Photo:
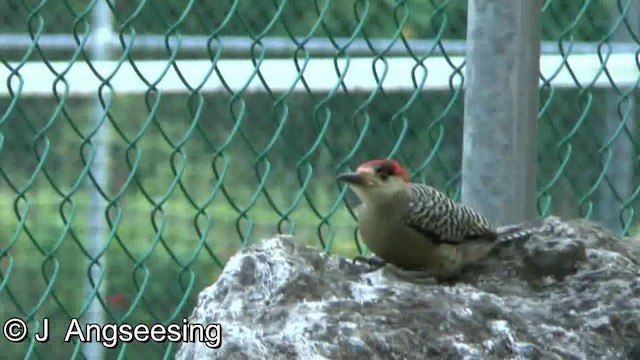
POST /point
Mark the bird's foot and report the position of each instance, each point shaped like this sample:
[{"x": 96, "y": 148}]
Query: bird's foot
[{"x": 374, "y": 262}]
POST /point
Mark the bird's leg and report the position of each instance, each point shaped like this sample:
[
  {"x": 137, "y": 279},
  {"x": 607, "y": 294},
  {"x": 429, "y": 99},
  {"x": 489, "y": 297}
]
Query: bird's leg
[{"x": 374, "y": 262}]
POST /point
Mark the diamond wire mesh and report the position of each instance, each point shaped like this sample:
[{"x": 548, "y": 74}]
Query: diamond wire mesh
[
  {"x": 195, "y": 176},
  {"x": 591, "y": 129}
]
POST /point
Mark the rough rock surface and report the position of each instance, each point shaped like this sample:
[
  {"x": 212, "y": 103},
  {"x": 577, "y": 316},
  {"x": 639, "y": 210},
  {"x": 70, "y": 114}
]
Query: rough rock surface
[{"x": 572, "y": 291}]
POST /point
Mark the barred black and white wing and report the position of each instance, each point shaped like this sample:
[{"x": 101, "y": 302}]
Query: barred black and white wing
[
  {"x": 441, "y": 220},
  {"x": 520, "y": 231}
]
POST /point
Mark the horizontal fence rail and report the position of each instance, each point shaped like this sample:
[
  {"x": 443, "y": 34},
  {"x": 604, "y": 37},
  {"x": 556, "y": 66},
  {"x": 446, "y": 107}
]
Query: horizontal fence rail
[
  {"x": 241, "y": 45},
  {"x": 281, "y": 75}
]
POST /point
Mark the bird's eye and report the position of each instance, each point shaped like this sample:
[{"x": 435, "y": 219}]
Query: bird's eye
[{"x": 383, "y": 173}]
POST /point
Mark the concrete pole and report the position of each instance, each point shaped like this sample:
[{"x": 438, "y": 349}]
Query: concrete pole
[{"x": 501, "y": 108}]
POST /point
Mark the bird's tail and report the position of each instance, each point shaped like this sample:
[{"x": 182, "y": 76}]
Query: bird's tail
[{"x": 519, "y": 231}]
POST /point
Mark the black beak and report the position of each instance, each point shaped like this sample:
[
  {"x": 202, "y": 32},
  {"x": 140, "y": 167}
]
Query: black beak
[{"x": 352, "y": 178}]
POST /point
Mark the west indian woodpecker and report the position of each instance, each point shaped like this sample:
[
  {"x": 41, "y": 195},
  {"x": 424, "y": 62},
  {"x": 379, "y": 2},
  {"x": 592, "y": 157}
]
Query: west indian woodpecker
[{"x": 415, "y": 226}]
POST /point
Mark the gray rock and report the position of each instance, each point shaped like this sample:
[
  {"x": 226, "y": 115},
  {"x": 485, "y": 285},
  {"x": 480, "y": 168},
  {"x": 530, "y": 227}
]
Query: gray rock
[{"x": 572, "y": 291}]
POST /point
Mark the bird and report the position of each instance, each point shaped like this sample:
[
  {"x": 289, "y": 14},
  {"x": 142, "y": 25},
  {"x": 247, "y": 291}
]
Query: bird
[{"x": 414, "y": 226}]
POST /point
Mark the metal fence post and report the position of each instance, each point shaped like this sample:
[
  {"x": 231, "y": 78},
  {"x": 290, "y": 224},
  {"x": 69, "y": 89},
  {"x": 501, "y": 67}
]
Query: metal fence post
[
  {"x": 102, "y": 34},
  {"x": 501, "y": 107}
]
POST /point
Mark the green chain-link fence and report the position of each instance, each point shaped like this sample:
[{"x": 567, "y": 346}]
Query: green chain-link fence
[{"x": 175, "y": 182}]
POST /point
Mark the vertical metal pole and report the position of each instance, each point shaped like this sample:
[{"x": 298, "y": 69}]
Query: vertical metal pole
[
  {"x": 102, "y": 33},
  {"x": 620, "y": 170},
  {"x": 501, "y": 107}
]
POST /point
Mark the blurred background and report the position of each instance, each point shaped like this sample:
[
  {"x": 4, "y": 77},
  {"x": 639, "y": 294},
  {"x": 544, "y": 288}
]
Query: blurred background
[{"x": 160, "y": 187}]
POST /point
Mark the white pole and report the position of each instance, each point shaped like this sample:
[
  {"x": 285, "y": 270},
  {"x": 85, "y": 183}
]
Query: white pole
[{"x": 102, "y": 33}]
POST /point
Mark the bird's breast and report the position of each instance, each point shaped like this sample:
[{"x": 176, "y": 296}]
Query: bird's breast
[{"x": 388, "y": 237}]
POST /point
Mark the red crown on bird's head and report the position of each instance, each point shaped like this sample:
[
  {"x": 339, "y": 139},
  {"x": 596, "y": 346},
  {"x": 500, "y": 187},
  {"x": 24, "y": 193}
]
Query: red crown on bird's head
[{"x": 391, "y": 165}]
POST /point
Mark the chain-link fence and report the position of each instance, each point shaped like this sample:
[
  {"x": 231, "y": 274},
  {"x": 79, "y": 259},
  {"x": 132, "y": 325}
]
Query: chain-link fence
[{"x": 144, "y": 142}]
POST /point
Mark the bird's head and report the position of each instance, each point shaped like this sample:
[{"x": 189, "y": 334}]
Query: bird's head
[{"x": 377, "y": 179}]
